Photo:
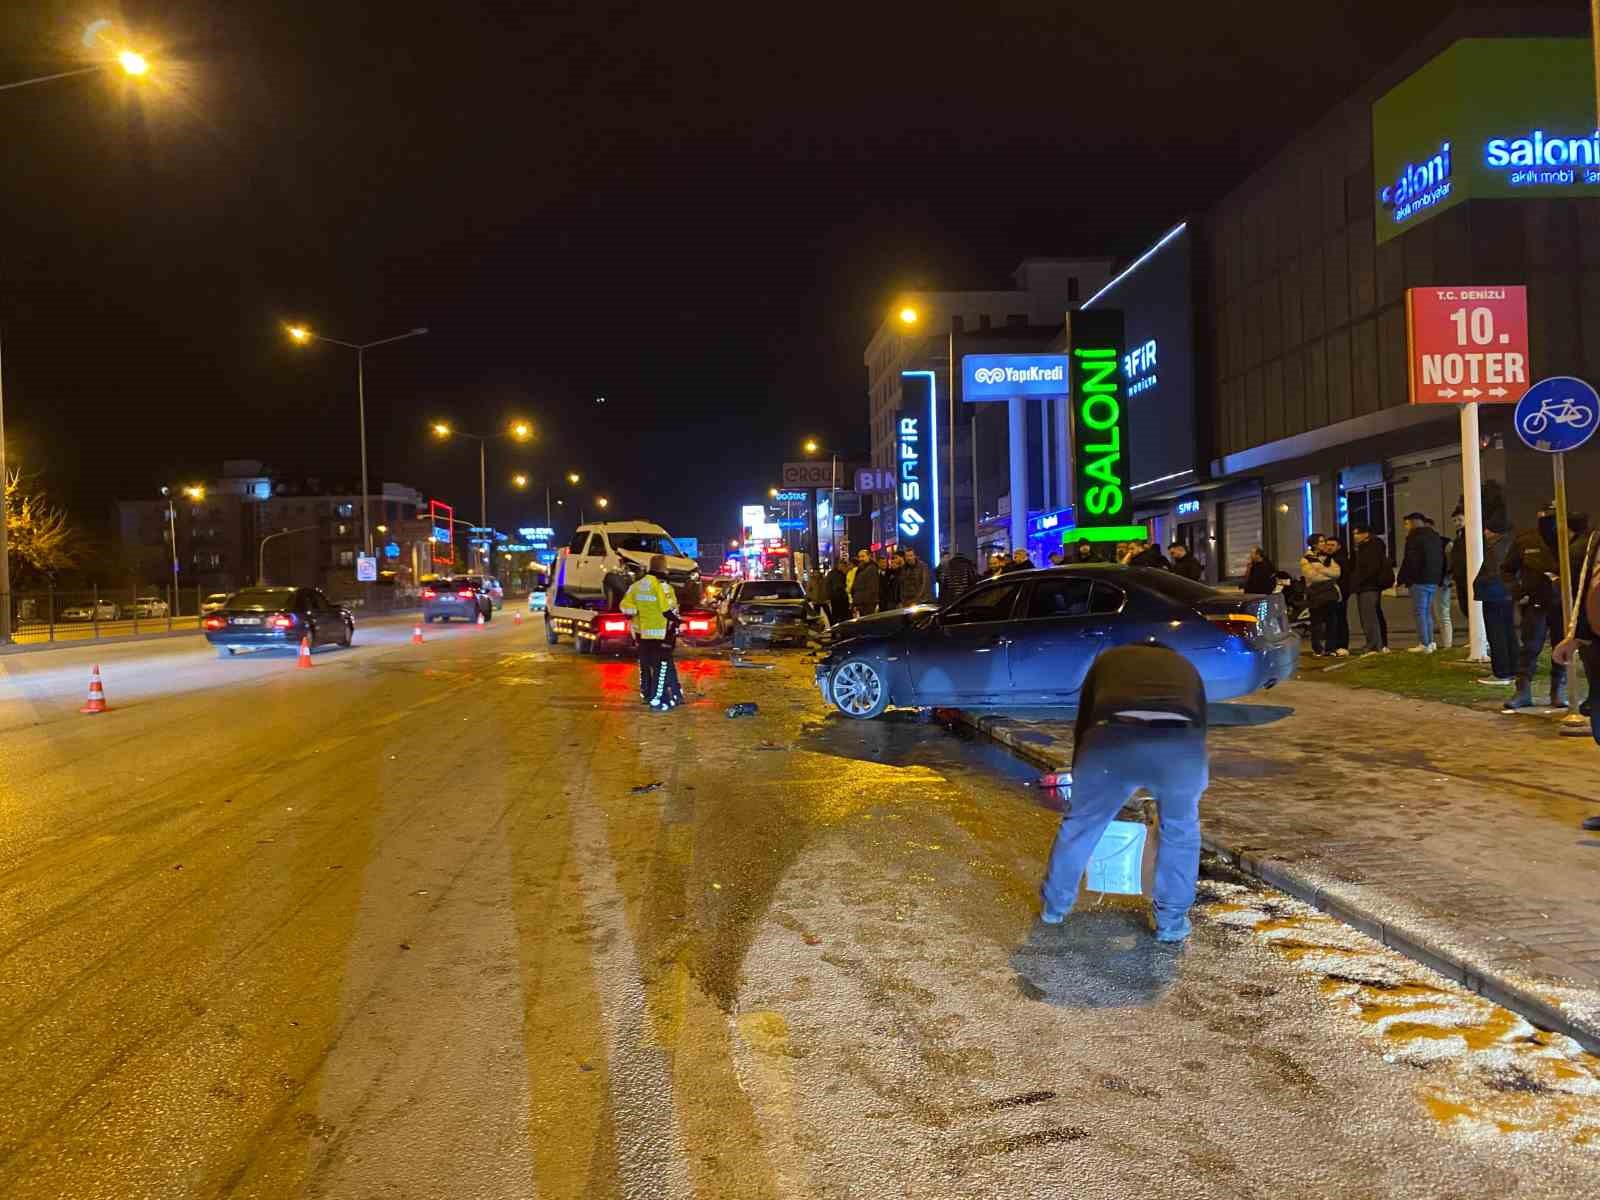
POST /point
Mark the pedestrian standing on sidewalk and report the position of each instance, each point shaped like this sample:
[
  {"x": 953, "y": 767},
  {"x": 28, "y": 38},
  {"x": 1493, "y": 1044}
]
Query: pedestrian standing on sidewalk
[
  {"x": 1444, "y": 622},
  {"x": 864, "y": 586},
  {"x": 1184, "y": 563},
  {"x": 916, "y": 582},
  {"x": 1584, "y": 644},
  {"x": 1499, "y": 613},
  {"x": 1086, "y": 552},
  {"x": 889, "y": 585},
  {"x": 1260, "y": 577},
  {"x": 1334, "y": 549},
  {"x": 1421, "y": 570},
  {"x": 1371, "y": 573},
  {"x": 1533, "y": 569},
  {"x": 997, "y": 565},
  {"x": 1058, "y": 557},
  {"x": 1021, "y": 560},
  {"x": 1141, "y": 724},
  {"x": 957, "y": 577},
  {"x": 1145, "y": 554},
  {"x": 836, "y": 590},
  {"x": 1321, "y": 576},
  {"x": 1578, "y": 523}
]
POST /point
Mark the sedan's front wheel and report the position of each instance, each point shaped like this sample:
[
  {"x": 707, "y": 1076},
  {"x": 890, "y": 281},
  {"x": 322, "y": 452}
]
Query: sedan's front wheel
[{"x": 858, "y": 689}]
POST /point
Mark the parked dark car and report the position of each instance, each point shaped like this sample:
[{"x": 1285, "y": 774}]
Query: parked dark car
[
  {"x": 462, "y": 598},
  {"x": 767, "y": 610},
  {"x": 1028, "y": 639},
  {"x": 267, "y": 617}
]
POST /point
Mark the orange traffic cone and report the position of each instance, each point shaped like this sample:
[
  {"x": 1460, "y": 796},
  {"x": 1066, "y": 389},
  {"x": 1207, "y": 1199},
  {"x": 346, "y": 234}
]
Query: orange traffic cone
[
  {"x": 516, "y": 617},
  {"x": 304, "y": 661},
  {"x": 480, "y": 617},
  {"x": 96, "y": 703},
  {"x": 416, "y": 635}
]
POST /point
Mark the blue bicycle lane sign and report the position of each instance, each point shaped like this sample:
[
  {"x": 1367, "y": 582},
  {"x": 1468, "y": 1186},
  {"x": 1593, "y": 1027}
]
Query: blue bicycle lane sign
[{"x": 1557, "y": 414}]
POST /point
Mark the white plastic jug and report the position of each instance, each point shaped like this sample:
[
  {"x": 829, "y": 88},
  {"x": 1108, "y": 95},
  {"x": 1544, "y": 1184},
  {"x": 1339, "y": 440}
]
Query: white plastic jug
[{"x": 1117, "y": 864}]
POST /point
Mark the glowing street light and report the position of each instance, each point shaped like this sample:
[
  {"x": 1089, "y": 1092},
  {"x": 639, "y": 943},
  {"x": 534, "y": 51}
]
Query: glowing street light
[
  {"x": 194, "y": 491},
  {"x": 772, "y": 492},
  {"x": 574, "y": 478},
  {"x": 521, "y": 430},
  {"x": 811, "y": 446},
  {"x": 133, "y": 62},
  {"x": 302, "y": 335},
  {"x": 908, "y": 315},
  {"x": 519, "y": 480},
  {"x": 603, "y": 502}
]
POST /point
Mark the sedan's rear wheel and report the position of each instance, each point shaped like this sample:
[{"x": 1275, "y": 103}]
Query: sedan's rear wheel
[{"x": 858, "y": 689}]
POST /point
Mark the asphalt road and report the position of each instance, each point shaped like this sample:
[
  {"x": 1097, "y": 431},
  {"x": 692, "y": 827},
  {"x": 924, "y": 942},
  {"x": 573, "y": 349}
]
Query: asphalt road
[{"x": 419, "y": 922}]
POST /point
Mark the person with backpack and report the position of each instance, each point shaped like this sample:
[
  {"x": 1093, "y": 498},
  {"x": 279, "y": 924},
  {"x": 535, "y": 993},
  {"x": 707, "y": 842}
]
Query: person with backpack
[{"x": 1371, "y": 574}]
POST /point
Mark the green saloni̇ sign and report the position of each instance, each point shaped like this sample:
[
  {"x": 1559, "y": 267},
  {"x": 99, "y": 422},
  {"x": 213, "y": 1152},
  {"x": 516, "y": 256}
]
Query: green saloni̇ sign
[
  {"x": 1488, "y": 119},
  {"x": 1099, "y": 428}
]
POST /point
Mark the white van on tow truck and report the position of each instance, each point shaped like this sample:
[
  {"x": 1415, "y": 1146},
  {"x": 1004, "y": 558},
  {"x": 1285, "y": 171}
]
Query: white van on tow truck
[{"x": 595, "y": 570}]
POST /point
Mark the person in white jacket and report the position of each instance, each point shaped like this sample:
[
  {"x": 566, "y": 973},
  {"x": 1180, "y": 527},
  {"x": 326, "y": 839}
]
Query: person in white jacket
[{"x": 1321, "y": 575}]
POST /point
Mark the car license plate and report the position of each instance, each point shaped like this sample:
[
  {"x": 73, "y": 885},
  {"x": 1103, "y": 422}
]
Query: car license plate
[{"x": 246, "y": 620}]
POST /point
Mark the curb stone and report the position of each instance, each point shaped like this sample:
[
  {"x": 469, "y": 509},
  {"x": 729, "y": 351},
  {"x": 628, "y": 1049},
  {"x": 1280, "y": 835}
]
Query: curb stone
[{"x": 1492, "y": 985}]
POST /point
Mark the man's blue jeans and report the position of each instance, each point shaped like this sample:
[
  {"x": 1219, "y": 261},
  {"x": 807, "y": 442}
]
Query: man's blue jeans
[
  {"x": 1422, "y": 605},
  {"x": 1111, "y": 763}
]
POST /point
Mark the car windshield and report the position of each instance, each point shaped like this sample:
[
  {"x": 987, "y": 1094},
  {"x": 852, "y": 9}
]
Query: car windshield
[
  {"x": 263, "y": 598},
  {"x": 645, "y": 543},
  {"x": 776, "y": 589},
  {"x": 1173, "y": 587}
]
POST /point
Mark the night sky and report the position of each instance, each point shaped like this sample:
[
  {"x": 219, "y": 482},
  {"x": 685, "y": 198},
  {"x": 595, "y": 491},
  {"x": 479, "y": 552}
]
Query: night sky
[{"x": 700, "y": 214}]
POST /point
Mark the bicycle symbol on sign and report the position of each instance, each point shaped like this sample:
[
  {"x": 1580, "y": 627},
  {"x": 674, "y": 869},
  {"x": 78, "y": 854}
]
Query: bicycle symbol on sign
[{"x": 1563, "y": 412}]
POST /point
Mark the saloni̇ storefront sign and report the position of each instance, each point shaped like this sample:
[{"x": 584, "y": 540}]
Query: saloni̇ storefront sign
[
  {"x": 1099, "y": 427},
  {"x": 1489, "y": 118},
  {"x": 916, "y": 441},
  {"x": 1467, "y": 344}
]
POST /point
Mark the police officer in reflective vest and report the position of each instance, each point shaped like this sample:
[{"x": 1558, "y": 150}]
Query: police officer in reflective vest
[{"x": 653, "y": 607}]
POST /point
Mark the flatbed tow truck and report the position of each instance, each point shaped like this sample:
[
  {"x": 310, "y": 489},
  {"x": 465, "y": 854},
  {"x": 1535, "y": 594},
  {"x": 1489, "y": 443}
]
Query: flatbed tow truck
[{"x": 592, "y": 574}]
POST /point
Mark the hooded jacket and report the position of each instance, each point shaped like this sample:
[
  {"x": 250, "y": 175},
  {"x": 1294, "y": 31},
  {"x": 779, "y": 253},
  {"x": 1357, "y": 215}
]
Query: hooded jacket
[{"x": 1532, "y": 568}]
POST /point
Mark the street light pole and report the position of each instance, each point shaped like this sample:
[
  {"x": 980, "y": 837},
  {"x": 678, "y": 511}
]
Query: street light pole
[
  {"x": 172, "y": 532},
  {"x": 261, "y": 551},
  {"x": 483, "y": 509},
  {"x": 133, "y": 64}
]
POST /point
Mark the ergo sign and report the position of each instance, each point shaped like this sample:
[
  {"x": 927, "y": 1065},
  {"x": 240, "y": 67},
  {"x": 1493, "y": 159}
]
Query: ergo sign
[{"x": 1467, "y": 344}]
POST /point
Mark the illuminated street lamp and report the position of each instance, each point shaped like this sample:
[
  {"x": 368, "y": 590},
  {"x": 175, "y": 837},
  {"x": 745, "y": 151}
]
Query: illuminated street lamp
[
  {"x": 603, "y": 502},
  {"x": 574, "y": 478},
  {"x": 194, "y": 492},
  {"x": 302, "y": 335},
  {"x": 519, "y": 480},
  {"x": 517, "y": 431},
  {"x": 908, "y": 315},
  {"x": 135, "y": 65}
]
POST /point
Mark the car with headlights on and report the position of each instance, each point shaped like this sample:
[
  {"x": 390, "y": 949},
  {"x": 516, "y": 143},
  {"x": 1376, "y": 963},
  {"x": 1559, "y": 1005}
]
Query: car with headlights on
[
  {"x": 1028, "y": 639},
  {"x": 92, "y": 610},
  {"x": 149, "y": 606},
  {"x": 213, "y": 602},
  {"x": 265, "y": 618}
]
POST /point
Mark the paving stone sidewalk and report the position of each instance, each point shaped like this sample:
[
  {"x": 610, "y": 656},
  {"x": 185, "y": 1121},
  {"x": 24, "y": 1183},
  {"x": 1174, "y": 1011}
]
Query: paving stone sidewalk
[{"x": 1452, "y": 835}]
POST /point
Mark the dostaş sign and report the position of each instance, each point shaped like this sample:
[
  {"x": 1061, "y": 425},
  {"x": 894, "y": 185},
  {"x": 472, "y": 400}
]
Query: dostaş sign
[
  {"x": 1557, "y": 414},
  {"x": 1467, "y": 344},
  {"x": 1003, "y": 376},
  {"x": 916, "y": 439},
  {"x": 1489, "y": 118},
  {"x": 1099, "y": 428}
]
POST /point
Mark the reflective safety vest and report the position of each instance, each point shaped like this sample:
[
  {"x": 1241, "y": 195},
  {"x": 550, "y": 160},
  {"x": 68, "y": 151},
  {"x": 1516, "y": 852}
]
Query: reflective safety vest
[{"x": 648, "y": 602}]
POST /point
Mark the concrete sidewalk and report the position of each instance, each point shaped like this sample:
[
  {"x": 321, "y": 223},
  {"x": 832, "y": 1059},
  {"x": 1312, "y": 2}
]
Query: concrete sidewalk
[{"x": 1453, "y": 836}]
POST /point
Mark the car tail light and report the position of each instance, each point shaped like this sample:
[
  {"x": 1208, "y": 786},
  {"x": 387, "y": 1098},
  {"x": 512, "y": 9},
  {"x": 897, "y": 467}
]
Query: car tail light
[
  {"x": 699, "y": 625},
  {"x": 1238, "y": 624},
  {"x": 429, "y": 594},
  {"x": 283, "y": 621},
  {"x": 465, "y": 593},
  {"x": 216, "y": 622},
  {"x": 613, "y": 624}
]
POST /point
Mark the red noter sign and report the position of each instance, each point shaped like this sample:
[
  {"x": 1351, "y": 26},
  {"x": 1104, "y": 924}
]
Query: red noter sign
[{"x": 1468, "y": 344}]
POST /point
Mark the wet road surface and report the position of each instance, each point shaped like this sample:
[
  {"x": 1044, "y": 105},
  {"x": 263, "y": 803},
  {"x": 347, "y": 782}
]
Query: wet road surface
[{"x": 416, "y": 923}]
